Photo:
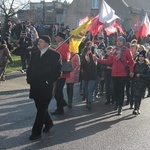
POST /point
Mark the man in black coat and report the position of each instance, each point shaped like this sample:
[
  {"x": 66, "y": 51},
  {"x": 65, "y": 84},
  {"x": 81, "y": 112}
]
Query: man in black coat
[
  {"x": 24, "y": 43},
  {"x": 44, "y": 69}
]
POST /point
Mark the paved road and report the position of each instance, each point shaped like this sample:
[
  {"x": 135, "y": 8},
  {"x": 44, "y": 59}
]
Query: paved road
[{"x": 77, "y": 129}]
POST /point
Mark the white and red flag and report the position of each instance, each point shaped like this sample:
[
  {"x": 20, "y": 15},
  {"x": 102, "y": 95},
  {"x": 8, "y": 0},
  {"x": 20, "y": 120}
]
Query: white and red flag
[
  {"x": 110, "y": 30},
  {"x": 114, "y": 28},
  {"x": 82, "y": 21},
  {"x": 106, "y": 13},
  {"x": 144, "y": 29},
  {"x": 95, "y": 26}
]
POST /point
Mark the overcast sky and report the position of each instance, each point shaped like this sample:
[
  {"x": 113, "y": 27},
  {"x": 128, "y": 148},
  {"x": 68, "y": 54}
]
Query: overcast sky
[
  {"x": 68, "y": 1},
  {"x": 51, "y": 0}
]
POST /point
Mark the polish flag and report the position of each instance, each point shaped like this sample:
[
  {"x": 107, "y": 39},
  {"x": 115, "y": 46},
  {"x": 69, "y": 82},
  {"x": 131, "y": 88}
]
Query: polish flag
[
  {"x": 144, "y": 29},
  {"x": 106, "y": 13},
  {"x": 95, "y": 25},
  {"x": 82, "y": 21},
  {"x": 116, "y": 25},
  {"x": 110, "y": 30},
  {"x": 113, "y": 28}
]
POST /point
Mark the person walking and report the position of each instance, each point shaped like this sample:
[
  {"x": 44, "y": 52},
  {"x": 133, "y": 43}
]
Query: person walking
[
  {"x": 108, "y": 79},
  {"x": 24, "y": 43},
  {"x": 120, "y": 58},
  {"x": 4, "y": 57},
  {"x": 64, "y": 51},
  {"x": 140, "y": 78},
  {"x": 89, "y": 76},
  {"x": 44, "y": 69},
  {"x": 74, "y": 77}
]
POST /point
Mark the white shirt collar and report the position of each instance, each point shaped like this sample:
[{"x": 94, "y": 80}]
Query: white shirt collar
[{"x": 44, "y": 50}]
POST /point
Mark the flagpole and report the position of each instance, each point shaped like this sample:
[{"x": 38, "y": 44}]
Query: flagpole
[{"x": 129, "y": 34}]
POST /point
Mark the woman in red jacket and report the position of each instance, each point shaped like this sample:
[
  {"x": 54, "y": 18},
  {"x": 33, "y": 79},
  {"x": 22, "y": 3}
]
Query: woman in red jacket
[{"x": 120, "y": 58}]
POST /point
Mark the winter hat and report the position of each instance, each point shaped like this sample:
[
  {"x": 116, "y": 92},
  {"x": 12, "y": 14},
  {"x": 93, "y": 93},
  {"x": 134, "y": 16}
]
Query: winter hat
[
  {"x": 142, "y": 54},
  {"x": 45, "y": 38},
  {"x": 60, "y": 34},
  {"x": 121, "y": 39}
]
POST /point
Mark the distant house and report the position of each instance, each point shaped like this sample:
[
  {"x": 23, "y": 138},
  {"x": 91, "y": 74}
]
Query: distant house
[
  {"x": 130, "y": 11},
  {"x": 45, "y": 12}
]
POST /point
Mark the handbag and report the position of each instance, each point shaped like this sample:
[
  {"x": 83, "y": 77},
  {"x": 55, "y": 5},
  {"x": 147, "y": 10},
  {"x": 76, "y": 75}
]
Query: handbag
[
  {"x": 67, "y": 66},
  {"x": 126, "y": 68}
]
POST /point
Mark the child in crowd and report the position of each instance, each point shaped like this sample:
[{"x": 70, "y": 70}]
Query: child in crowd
[{"x": 141, "y": 75}]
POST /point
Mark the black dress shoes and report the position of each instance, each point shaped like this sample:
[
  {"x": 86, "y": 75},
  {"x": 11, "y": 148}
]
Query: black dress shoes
[
  {"x": 47, "y": 128},
  {"x": 34, "y": 136},
  {"x": 57, "y": 112}
]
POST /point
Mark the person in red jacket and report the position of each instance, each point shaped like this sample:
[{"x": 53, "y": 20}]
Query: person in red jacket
[
  {"x": 64, "y": 51},
  {"x": 120, "y": 58}
]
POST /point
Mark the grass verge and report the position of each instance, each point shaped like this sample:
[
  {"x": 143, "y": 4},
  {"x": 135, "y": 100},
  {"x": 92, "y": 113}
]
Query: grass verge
[{"x": 16, "y": 66}]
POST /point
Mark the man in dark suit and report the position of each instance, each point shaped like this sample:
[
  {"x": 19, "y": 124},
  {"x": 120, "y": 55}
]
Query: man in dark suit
[
  {"x": 44, "y": 69},
  {"x": 24, "y": 43}
]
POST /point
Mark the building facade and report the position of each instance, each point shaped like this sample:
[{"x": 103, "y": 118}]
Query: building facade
[
  {"x": 130, "y": 12},
  {"x": 45, "y": 12}
]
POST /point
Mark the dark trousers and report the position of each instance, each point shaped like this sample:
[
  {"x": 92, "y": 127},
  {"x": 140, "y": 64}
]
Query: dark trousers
[
  {"x": 42, "y": 116},
  {"x": 25, "y": 59},
  {"x": 70, "y": 92},
  {"x": 119, "y": 85},
  {"x": 59, "y": 96},
  {"x": 148, "y": 86},
  {"x": 137, "y": 100},
  {"x": 128, "y": 89},
  {"x": 109, "y": 89},
  {"x": 102, "y": 82},
  {"x": 2, "y": 71}
]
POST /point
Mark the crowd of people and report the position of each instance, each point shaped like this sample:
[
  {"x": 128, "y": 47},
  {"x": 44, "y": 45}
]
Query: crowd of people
[{"x": 99, "y": 67}]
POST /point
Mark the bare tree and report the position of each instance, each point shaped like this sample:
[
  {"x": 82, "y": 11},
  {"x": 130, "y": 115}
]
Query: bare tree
[{"x": 10, "y": 8}]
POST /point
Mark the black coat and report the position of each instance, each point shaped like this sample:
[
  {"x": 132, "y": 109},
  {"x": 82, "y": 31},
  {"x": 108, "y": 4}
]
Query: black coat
[
  {"x": 24, "y": 45},
  {"x": 42, "y": 73},
  {"x": 89, "y": 70},
  {"x": 139, "y": 83}
]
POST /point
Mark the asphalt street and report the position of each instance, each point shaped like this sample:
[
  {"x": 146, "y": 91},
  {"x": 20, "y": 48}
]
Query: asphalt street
[{"x": 77, "y": 129}]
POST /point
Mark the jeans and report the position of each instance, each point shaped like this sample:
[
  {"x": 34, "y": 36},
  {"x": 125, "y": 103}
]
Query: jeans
[
  {"x": 89, "y": 89},
  {"x": 96, "y": 87}
]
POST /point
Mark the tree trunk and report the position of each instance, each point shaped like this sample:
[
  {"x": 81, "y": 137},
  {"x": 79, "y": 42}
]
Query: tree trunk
[{"x": 5, "y": 26}]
